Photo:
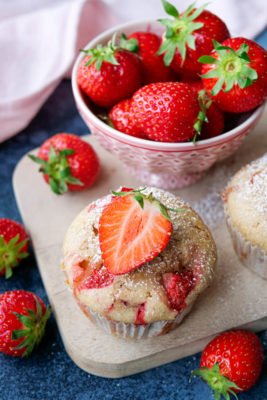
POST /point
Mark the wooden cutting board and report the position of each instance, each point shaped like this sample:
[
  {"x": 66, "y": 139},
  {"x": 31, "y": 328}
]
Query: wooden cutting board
[{"x": 236, "y": 298}]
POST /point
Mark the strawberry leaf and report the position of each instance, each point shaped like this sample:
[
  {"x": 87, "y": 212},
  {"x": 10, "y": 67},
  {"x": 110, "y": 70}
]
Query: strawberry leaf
[
  {"x": 11, "y": 254},
  {"x": 207, "y": 60},
  {"x": 129, "y": 44},
  {"x": 219, "y": 384},
  {"x": 140, "y": 199},
  {"x": 230, "y": 68},
  {"x": 58, "y": 170},
  {"x": 179, "y": 33},
  {"x": 33, "y": 328},
  {"x": 170, "y": 9}
]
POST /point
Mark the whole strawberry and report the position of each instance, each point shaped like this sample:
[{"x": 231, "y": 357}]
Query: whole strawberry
[
  {"x": 154, "y": 69},
  {"x": 235, "y": 75},
  {"x": 109, "y": 74},
  {"x": 14, "y": 243},
  {"x": 231, "y": 363},
  {"x": 166, "y": 111},
  {"x": 188, "y": 36},
  {"x": 213, "y": 121},
  {"x": 123, "y": 119},
  {"x": 23, "y": 317},
  {"x": 68, "y": 163}
]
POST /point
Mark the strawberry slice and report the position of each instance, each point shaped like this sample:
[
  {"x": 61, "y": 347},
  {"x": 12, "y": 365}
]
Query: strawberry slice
[
  {"x": 140, "y": 315},
  {"x": 85, "y": 277},
  {"x": 178, "y": 286},
  {"x": 97, "y": 280},
  {"x": 133, "y": 229}
]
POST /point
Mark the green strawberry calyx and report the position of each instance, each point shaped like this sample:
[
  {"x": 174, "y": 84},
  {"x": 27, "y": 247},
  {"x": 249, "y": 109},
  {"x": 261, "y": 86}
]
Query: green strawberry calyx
[
  {"x": 179, "y": 33},
  {"x": 57, "y": 169},
  {"x": 221, "y": 386},
  {"x": 204, "y": 103},
  {"x": 231, "y": 67},
  {"x": 107, "y": 52},
  {"x": 11, "y": 254},
  {"x": 139, "y": 196},
  {"x": 33, "y": 328}
]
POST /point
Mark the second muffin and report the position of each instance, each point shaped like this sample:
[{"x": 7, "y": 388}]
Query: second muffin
[{"x": 245, "y": 202}]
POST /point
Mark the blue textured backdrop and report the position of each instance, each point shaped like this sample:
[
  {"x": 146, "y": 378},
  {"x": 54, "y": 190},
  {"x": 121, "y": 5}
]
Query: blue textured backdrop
[{"x": 49, "y": 374}]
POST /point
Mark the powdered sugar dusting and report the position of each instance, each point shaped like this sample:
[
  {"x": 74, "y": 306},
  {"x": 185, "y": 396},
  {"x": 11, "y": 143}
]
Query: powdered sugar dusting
[
  {"x": 190, "y": 248},
  {"x": 255, "y": 188},
  {"x": 210, "y": 207}
]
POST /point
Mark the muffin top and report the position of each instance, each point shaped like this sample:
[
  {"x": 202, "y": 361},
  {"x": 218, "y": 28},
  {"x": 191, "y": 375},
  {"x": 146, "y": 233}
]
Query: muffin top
[
  {"x": 159, "y": 289},
  {"x": 245, "y": 200}
]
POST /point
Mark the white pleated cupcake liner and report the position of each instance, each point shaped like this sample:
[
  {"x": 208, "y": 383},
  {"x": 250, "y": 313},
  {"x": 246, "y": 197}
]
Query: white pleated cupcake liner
[
  {"x": 133, "y": 331},
  {"x": 252, "y": 257}
]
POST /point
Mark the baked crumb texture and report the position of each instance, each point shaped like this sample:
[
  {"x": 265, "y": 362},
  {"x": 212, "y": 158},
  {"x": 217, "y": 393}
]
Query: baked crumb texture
[
  {"x": 139, "y": 297},
  {"x": 245, "y": 200},
  {"x": 245, "y": 204}
]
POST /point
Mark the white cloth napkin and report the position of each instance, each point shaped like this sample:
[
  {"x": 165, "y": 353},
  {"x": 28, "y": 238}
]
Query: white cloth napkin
[{"x": 40, "y": 40}]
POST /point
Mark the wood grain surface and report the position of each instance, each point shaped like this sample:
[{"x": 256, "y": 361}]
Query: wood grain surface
[{"x": 236, "y": 298}]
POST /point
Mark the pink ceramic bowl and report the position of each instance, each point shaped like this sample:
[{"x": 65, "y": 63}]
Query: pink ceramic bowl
[{"x": 165, "y": 165}]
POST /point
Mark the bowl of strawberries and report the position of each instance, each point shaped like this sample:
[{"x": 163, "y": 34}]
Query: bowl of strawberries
[{"x": 171, "y": 97}]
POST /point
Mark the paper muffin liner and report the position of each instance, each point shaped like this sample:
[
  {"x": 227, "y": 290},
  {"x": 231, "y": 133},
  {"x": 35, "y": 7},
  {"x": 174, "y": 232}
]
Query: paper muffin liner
[
  {"x": 252, "y": 257},
  {"x": 133, "y": 331}
]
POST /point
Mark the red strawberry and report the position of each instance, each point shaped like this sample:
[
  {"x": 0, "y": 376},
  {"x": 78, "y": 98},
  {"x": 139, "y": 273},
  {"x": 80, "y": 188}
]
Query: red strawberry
[
  {"x": 213, "y": 124},
  {"x": 231, "y": 362},
  {"x": 14, "y": 243},
  {"x": 196, "y": 84},
  {"x": 235, "y": 75},
  {"x": 154, "y": 69},
  {"x": 109, "y": 74},
  {"x": 68, "y": 163},
  {"x": 122, "y": 118},
  {"x": 96, "y": 279},
  {"x": 133, "y": 229},
  {"x": 140, "y": 315},
  {"x": 178, "y": 285},
  {"x": 166, "y": 111},
  {"x": 188, "y": 36},
  {"x": 23, "y": 317}
]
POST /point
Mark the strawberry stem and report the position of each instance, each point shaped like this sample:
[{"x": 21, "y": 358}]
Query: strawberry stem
[
  {"x": 11, "y": 254},
  {"x": 230, "y": 68},
  {"x": 204, "y": 104},
  {"x": 101, "y": 53},
  {"x": 33, "y": 328},
  {"x": 57, "y": 169},
  {"x": 179, "y": 30},
  {"x": 128, "y": 44},
  {"x": 221, "y": 386},
  {"x": 140, "y": 197}
]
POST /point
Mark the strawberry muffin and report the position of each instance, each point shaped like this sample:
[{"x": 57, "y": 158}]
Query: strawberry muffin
[
  {"x": 137, "y": 260},
  {"x": 245, "y": 203}
]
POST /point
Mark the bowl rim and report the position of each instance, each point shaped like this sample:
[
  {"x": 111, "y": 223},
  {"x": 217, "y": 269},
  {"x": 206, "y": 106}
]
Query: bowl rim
[{"x": 145, "y": 143}]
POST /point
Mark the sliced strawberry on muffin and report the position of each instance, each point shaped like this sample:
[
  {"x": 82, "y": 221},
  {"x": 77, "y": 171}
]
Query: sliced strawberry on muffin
[{"x": 133, "y": 229}]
